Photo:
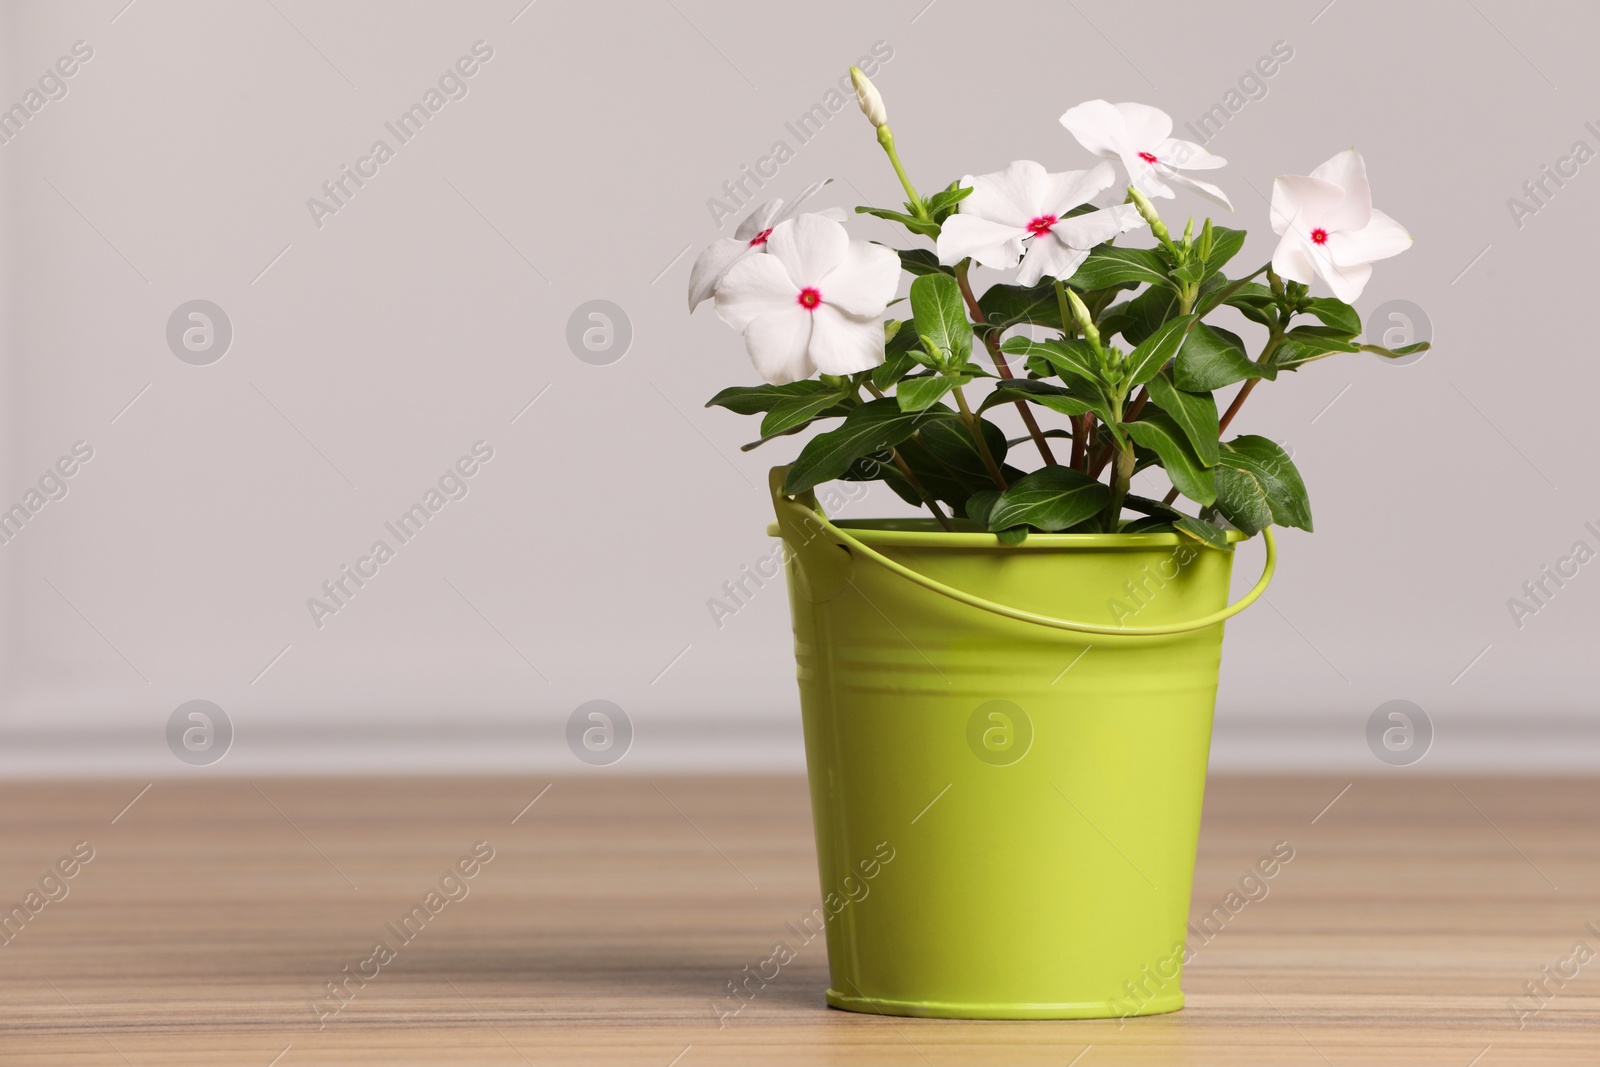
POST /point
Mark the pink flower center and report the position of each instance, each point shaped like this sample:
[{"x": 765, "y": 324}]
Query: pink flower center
[
  {"x": 761, "y": 238},
  {"x": 1148, "y": 158},
  {"x": 809, "y": 298},
  {"x": 1042, "y": 225},
  {"x": 1319, "y": 236}
]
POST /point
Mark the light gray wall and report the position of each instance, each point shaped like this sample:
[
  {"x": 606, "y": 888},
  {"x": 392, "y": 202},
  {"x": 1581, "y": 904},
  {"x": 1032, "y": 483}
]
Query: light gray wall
[{"x": 373, "y": 347}]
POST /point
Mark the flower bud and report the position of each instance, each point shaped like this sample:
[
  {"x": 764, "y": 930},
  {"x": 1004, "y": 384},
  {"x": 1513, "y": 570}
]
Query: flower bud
[
  {"x": 1085, "y": 321},
  {"x": 1147, "y": 211},
  {"x": 867, "y": 96}
]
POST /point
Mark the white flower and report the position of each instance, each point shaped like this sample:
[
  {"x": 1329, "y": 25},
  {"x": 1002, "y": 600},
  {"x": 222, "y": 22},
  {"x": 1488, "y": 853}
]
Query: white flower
[
  {"x": 750, "y": 237},
  {"x": 1138, "y": 135},
  {"x": 1021, "y": 213},
  {"x": 814, "y": 302},
  {"x": 1330, "y": 228}
]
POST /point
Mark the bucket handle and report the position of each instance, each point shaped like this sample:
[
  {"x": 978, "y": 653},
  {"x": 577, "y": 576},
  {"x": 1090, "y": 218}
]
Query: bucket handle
[{"x": 935, "y": 586}]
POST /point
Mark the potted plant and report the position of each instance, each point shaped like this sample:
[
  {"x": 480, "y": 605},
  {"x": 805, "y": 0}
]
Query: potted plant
[{"x": 1012, "y": 697}]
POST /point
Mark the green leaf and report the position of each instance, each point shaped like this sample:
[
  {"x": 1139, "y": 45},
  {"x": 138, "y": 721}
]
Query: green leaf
[
  {"x": 1190, "y": 272},
  {"x": 941, "y": 316},
  {"x": 941, "y": 204},
  {"x": 1044, "y": 394},
  {"x": 914, "y": 394},
  {"x": 920, "y": 261},
  {"x": 910, "y": 222},
  {"x": 1207, "y": 533},
  {"x": 1014, "y": 536},
  {"x": 1140, "y": 317},
  {"x": 1157, "y": 431},
  {"x": 1303, "y": 344},
  {"x": 1196, "y": 413},
  {"x": 1050, "y": 499},
  {"x": 1335, "y": 314},
  {"x": 980, "y": 504},
  {"x": 1212, "y": 358},
  {"x": 950, "y": 443},
  {"x": 895, "y": 365},
  {"x": 1225, "y": 244},
  {"x": 1147, "y": 524},
  {"x": 1005, "y": 306},
  {"x": 754, "y": 399},
  {"x": 1071, "y": 358},
  {"x": 1396, "y": 353},
  {"x": 1145, "y": 506},
  {"x": 1146, "y": 361},
  {"x": 1256, "y": 303},
  {"x": 798, "y": 411},
  {"x": 1110, "y": 265},
  {"x": 1258, "y": 485},
  {"x": 872, "y": 427}
]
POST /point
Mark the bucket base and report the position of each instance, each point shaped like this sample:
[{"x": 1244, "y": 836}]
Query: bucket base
[{"x": 1158, "y": 1005}]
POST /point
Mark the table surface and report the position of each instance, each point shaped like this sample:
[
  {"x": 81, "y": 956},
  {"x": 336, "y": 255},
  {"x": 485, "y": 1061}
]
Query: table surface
[{"x": 615, "y": 909}]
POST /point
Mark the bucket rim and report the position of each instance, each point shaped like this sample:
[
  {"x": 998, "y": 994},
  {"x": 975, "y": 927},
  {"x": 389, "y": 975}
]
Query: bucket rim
[{"x": 926, "y": 533}]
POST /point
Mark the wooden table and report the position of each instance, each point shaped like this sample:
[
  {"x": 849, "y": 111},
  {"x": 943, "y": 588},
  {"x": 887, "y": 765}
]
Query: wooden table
[{"x": 615, "y": 910}]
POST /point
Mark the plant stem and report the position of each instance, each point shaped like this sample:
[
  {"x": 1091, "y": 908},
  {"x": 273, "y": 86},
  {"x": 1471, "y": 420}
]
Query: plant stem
[
  {"x": 1139, "y": 401},
  {"x": 1244, "y": 392},
  {"x": 916, "y": 483},
  {"x": 976, "y": 430},
  {"x": 1121, "y": 476},
  {"x": 886, "y": 139},
  {"x": 992, "y": 343}
]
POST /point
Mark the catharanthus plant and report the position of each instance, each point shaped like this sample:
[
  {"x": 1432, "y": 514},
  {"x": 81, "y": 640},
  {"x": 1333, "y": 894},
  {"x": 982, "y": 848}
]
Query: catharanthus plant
[{"x": 1109, "y": 356}]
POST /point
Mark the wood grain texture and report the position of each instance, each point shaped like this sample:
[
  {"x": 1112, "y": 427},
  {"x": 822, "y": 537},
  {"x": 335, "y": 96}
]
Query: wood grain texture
[{"x": 616, "y": 909}]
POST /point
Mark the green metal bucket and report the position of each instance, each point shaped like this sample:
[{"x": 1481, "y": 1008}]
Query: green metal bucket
[{"x": 1006, "y": 802}]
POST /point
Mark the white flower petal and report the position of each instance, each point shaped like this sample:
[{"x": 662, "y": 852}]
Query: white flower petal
[
  {"x": 1147, "y": 126},
  {"x": 1014, "y": 196},
  {"x": 845, "y": 344},
  {"x": 1149, "y": 180},
  {"x": 793, "y": 207},
  {"x": 763, "y": 217},
  {"x": 864, "y": 281},
  {"x": 712, "y": 264},
  {"x": 809, "y": 246},
  {"x": 1091, "y": 228},
  {"x": 755, "y": 286},
  {"x": 993, "y": 244},
  {"x": 1348, "y": 171},
  {"x": 778, "y": 344},
  {"x": 1050, "y": 257},
  {"x": 1292, "y": 260},
  {"x": 1100, "y": 127},
  {"x": 1073, "y": 188},
  {"x": 1346, "y": 282},
  {"x": 1302, "y": 202},
  {"x": 1379, "y": 239},
  {"x": 1205, "y": 189},
  {"x": 1186, "y": 155}
]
